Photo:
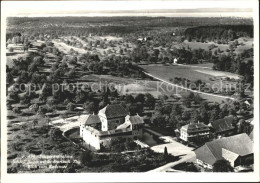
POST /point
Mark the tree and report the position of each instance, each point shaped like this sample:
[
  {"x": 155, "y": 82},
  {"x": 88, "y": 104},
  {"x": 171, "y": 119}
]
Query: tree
[
  {"x": 48, "y": 120},
  {"x": 165, "y": 153},
  {"x": 222, "y": 166},
  {"x": 186, "y": 115},
  {"x": 86, "y": 157},
  {"x": 149, "y": 101},
  {"x": 90, "y": 107},
  {"x": 72, "y": 73},
  {"x": 11, "y": 49},
  {"x": 194, "y": 116},
  {"x": 13, "y": 96},
  {"x": 35, "y": 122},
  {"x": 129, "y": 99},
  {"x": 64, "y": 117},
  {"x": 140, "y": 98},
  {"x": 187, "y": 103},
  {"x": 42, "y": 110},
  {"x": 55, "y": 134},
  {"x": 70, "y": 106}
]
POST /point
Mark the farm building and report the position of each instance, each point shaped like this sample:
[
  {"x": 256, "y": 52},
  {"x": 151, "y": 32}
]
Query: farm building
[
  {"x": 111, "y": 122},
  {"x": 237, "y": 149},
  {"x": 223, "y": 127},
  {"x": 194, "y": 130}
]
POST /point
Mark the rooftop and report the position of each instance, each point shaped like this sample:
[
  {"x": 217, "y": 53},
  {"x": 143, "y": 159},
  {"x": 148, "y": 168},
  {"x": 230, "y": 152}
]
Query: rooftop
[
  {"x": 224, "y": 124},
  {"x": 136, "y": 119},
  {"x": 113, "y": 111},
  {"x": 239, "y": 144},
  {"x": 195, "y": 127},
  {"x": 92, "y": 119}
]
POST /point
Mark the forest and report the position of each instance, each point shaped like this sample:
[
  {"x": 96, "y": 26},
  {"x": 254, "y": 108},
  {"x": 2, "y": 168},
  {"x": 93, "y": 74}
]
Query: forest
[
  {"x": 218, "y": 33},
  {"x": 118, "y": 26}
]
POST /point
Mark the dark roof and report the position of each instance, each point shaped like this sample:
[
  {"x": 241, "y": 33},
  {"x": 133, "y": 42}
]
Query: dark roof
[
  {"x": 92, "y": 119},
  {"x": 114, "y": 111},
  {"x": 196, "y": 127},
  {"x": 239, "y": 144},
  {"x": 136, "y": 119},
  {"x": 222, "y": 125},
  {"x": 203, "y": 153}
]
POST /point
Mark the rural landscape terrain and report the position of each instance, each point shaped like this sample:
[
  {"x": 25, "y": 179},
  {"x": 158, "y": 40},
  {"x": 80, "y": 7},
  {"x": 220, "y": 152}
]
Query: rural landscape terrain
[{"x": 183, "y": 85}]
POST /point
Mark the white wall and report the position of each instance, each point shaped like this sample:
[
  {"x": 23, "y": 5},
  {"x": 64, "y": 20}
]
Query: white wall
[{"x": 90, "y": 139}]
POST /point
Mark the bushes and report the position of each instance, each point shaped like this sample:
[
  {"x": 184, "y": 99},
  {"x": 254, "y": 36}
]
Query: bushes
[
  {"x": 86, "y": 157},
  {"x": 70, "y": 106},
  {"x": 11, "y": 49}
]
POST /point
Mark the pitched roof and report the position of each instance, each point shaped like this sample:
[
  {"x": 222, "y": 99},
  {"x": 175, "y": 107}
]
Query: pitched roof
[
  {"x": 228, "y": 155},
  {"x": 114, "y": 111},
  {"x": 195, "y": 127},
  {"x": 239, "y": 144},
  {"x": 222, "y": 125},
  {"x": 92, "y": 119},
  {"x": 136, "y": 119},
  {"x": 203, "y": 153}
]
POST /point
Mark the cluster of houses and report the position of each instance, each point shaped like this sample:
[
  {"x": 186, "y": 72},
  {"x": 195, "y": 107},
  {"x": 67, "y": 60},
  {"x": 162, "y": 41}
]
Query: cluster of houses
[
  {"x": 237, "y": 149},
  {"x": 113, "y": 122},
  {"x": 220, "y": 128}
]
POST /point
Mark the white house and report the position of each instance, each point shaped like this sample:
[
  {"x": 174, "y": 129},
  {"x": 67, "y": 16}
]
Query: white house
[
  {"x": 191, "y": 131},
  {"x": 175, "y": 60}
]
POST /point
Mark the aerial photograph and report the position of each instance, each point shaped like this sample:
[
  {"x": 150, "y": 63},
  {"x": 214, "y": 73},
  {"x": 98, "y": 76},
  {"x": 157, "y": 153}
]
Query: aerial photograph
[{"x": 143, "y": 89}]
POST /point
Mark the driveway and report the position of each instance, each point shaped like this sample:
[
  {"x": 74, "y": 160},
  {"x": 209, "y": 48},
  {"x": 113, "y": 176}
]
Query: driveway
[
  {"x": 176, "y": 149},
  {"x": 69, "y": 123}
]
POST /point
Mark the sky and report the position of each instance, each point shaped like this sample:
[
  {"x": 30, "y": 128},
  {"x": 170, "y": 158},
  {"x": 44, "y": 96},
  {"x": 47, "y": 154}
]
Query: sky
[{"x": 240, "y": 8}]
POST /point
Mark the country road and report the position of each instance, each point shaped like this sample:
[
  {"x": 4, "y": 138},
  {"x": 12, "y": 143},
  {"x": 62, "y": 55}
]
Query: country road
[{"x": 188, "y": 89}]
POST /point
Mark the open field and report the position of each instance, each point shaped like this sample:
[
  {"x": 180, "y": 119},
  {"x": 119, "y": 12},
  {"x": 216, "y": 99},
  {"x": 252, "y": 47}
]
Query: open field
[
  {"x": 66, "y": 48},
  {"x": 189, "y": 72},
  {"x": 219, "y": 73},
  {"x": 165, "y": 73}
]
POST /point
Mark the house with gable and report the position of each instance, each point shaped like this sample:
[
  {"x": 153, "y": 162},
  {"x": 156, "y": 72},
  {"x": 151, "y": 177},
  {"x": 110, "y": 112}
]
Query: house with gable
[
  {"x": 223, "y": 127},
  {"x": 237, "y": 149},
  {"x": 192, "y": 131}
]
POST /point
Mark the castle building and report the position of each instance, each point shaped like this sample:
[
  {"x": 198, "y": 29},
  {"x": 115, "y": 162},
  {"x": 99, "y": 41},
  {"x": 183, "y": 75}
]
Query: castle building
[{"x": 111, "y": 122}]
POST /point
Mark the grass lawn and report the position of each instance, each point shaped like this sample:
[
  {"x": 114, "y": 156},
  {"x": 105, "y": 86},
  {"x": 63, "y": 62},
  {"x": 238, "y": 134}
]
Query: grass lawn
[
  {"x": 206, "y": 75},
  {"x": 191, "y": 73}
]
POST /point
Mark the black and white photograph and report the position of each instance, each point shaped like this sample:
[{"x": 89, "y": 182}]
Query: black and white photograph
[{"x": 137, "y": 87}]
